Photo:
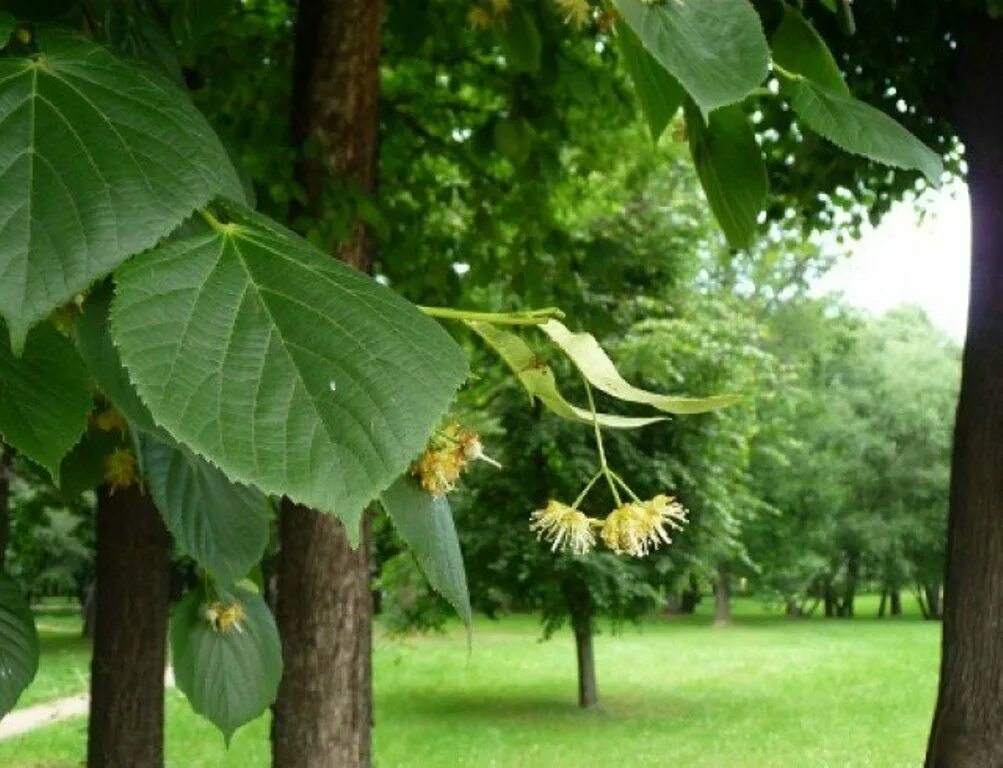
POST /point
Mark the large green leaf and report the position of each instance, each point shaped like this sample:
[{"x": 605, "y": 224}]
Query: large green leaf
[
  {"x": 594, "y": 363},
  {"x": 18, "y": 644},
  {"x": 715, "y": 48},
  {"x": 860, "y": 128},
  {"x": 520, "y": 40},
  {"x": 799, "y": 48},
  {"x": 731, "y": 170},
  {"x": 659, "y": 93},
  {"x": 99, "y": 159},
  {"x": 230, "y": 677},
  {"x": 538, "y": 380},
  {"x": 287, "y": 369},
  {"x": 45, "y": 397},
  {"x": 7, "y": 25},
  {"x": 425, "y": 522},
  {"x": 221, "y": 525},
  {"x": 105, "y": 365}
]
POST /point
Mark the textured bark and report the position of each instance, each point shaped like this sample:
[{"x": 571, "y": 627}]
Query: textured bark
[
  {"x": 896, "y": 602},
  {"x": 967, "y": 729},
  {"x": 324, "y": 710},
  {"x": 126, "y": 725},
  {"x": 722, "y": 596},
  {"x": 6, "y": 460},
  {"x": 323, "y": 715}
]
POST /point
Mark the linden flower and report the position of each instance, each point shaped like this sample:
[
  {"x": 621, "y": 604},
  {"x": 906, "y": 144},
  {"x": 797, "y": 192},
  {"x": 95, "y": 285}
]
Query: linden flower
[
  {"x": 576, "y": 12},
  {"x": 110, "y": 420},
  {"x": 637, "y": 528},
  {"x": 473, "y": 450},
  {"x": 501, "y": 7},
  {"x": 225, "y": 618},
  {"x": 438, "y": 469},
  {"x": 478, "y": 18},
  {"x": 120, "y": 468},
  {"x": 563, "y": 526}
]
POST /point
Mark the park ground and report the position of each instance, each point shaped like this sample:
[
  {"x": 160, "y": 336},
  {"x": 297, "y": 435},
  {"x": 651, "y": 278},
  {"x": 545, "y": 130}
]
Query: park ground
[{"x": 766, "y": 691}]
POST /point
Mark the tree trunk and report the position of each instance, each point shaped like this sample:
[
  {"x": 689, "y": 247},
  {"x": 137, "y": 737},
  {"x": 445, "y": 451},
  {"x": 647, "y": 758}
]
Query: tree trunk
[
  {"x": 690, "y": 597},
  {"x": 722, "y": 596},
  {"x": 581, "y": 611},
  {"x": 831, "y": 604},
  {"x": 933, "y": 605},
  {"x": 881, "y": 605},
  {"x": 323, "y": 715},
  {"x": 6, "y": 475},
  {"x": 88, "y": 609},
  {"x": 126, "y": 725},
  {"x": 967, "y": 729},
  {"x": 850, "y": 593},
  {"x": 896, "y": 602}
]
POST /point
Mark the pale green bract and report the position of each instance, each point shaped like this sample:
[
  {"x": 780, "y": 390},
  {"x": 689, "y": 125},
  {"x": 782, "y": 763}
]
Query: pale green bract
[
  {"x": 595, "y": 365},
  {"x": 799, "y": 48},
  {"x": 230, "y": 677},
  {"x": 18, "y": 644},
  {"x": 45, "y": 397},
  {"x": 284, "y": 367},
  {"x": 538, "y": 380},
  {"x": 99, "y": 159},
  {"x": 731, "y": 170},
  {"x": 716, "y": 49},
  {"x": 221, "y": 525},
  {"x": 425, "y": 522}
]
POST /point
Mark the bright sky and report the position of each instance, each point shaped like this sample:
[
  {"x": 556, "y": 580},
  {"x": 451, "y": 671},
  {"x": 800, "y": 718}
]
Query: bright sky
[{"x": 910, "y": 259}]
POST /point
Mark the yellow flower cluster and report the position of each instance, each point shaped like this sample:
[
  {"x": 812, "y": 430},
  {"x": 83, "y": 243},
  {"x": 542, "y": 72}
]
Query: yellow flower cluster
[
  {"x": 635, "y": 528},
  {"x": 449, "y": 452},
  {"x": 110, "y": 420},
  {"x": 481, "y": 17},
  {"x": 225, "y": 618},
  {"x": 120, "y": 468},
  {"x": 576, "y": 12}
]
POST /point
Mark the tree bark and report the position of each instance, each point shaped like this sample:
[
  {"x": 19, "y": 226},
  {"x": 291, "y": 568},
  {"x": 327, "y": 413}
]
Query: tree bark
[
  {"x": 722, "y": 596},
  {"x": 967, "y": 729},
  {"x": 581, "y": 611},
  {"x": 896, "y": 602},
  {"x": 831, "y": 604},
  {"x": 850, "y": 593},
  {"x": 126, "y": 724},
  {"x": 933, "y": 603},
  {"x": 323, "y": 714},
  {"x": 881, "y": 605},
  {"x": 6, "y": 475}
]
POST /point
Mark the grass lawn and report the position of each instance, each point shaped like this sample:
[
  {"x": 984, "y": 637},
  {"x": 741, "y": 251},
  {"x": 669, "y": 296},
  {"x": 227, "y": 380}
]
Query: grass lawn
[{"x": 767, "y": 691}]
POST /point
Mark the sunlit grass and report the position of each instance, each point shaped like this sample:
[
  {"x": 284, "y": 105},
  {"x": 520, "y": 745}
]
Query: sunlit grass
[{"x": 767, "y": 691}]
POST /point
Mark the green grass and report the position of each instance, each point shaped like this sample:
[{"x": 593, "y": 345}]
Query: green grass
[{"x": 765, "y": 692}]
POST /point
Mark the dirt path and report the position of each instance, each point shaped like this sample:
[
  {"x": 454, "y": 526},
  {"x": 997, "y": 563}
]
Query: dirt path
[{"x": 23, "y": 721}]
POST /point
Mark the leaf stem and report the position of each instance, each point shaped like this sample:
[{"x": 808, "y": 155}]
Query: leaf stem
[
  {"x": 586, "y": 489},
  {"x": 528, "y": 317},
  {"x": 603, "y": 466}
]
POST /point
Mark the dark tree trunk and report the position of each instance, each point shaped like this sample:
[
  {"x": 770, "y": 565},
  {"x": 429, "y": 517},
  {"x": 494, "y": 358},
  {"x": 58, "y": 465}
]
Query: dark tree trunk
[
  {"x": 933, "y": 603},
  {"x": 323, "y": 715},
  {"x": 881, "y": 605},
  {"x": 895, "y": 599},
  {"x": 581, "y": 610},
  {"x": 690, "y": 597},
  {"x": 126, "y": 725},
  {"x": 850, "y": 592},
  {"x": 921, "y": 599},
  {"x": 6, "y": 460},
  {"x": 722, "y": 596},
  {"x": 831, "y": 604},
  {"x": 88, "y": 609},
  {"x": 967, "y": 727}
]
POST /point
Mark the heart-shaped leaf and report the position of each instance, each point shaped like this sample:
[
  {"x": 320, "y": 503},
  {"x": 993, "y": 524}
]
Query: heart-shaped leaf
[
  {"x": 18, "y": 644},
  {"x": 285, "y": 368},
  {"x": 659, "y": 93},
  {"x": 99, "y": 159}
]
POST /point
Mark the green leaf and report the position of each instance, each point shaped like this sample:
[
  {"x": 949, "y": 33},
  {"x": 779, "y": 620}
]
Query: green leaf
[
  {"x": 18, "y": 644},
  {"x": 221, "y": 525},
  {"x": 99, "y": 159},
  {"x": 520, "y": 40},
  {"x": 192, "y": 20},
  {"x": 731, "y": 170},
  {"x": 287, "y": 369},
  {"x": 538, "y": 379},
  {"x": 83, "y": 468},
  {"x": 716, "y": 49},
  {"x": 102, "y": 360},
  {"x": 799, "y": 48},
  {"x": 229, "y": 677},
  {"x": 7, "y": 25},
  {"x": 659, "y": 93},
  {"x": 594, "y": 363},
  {"x": 425, "y": 522},
  {"x": 859, "y": 128},
  {"x": 45, "y": 397}
]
